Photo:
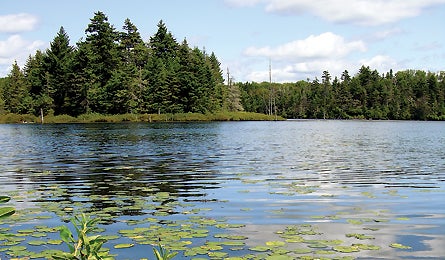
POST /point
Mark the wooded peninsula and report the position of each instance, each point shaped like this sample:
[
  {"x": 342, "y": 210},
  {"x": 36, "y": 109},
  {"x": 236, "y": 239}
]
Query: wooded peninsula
[{"x": 113, "y": 72}]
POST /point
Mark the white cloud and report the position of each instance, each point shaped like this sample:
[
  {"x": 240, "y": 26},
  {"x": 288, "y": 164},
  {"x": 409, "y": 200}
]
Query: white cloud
[
  {"x": 13, "y": 23},
  {"x": 326, "y": 45},
  {"x": 307, "y": 58},
  {"x": 381, "y": 63},
  {"x": 295, "y": 71},
  {"x": 292, "y": 71},
  {"x": 361, "y": 12},
  {"x": 15, "y": 48}
]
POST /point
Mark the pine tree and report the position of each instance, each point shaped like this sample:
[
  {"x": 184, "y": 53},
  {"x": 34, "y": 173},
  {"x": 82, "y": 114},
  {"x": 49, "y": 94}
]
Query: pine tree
[
  {"x": 163, "y": 91},
  {"x": 220, "y": 90},
  {"x": 36, "y": 75},
  {"x": 58, "y": 65},
  {"x": 3, "y": 83},
  {"x": 134, "y": 55},
  {"x": 103, "y": 58},
  {"x": 16, "y": 92}
]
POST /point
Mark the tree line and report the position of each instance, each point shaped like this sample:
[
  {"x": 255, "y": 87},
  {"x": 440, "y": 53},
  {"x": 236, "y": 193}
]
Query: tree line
[
  {"x": 404, "y": 95},
  {"x": 115, "y": 72}
]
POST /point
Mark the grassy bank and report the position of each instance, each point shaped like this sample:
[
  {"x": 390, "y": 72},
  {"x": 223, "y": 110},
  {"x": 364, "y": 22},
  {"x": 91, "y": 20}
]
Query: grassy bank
[{"x": 95, "y": 118}]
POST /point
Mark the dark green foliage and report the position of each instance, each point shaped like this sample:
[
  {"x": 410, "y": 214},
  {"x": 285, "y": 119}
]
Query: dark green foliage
[
  {"x": 55, "y": 82},
  {"x": 84, "y": 247},
  {"x": 163, "y": 253},
  {"x": 16, "y": 92},
  {"x": 407, "y": 95},
  {"x": 5, "y": 211},
  {"x": 113, "y": 72}
]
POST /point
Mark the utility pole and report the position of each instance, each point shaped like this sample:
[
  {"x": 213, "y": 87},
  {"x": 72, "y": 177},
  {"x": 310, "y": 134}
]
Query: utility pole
[
  {"x": 227, "y": 91},
  {"x": 273, "y": 106},
  {"x": 228, "y": 77},
  {"x": 271, "y": 89},
  {"x": 41, "y": 115}
]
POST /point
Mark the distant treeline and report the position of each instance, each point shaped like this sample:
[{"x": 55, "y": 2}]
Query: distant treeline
[
  {"x": 405, "y": 95},
  {"x": 115, "y": 72}
]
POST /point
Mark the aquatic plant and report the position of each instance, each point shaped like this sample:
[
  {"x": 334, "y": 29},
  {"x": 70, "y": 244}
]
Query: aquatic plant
[
  {"x": 85, "y": 247},
  {"x": 163, "y": 253},
  {"x": 6, "y": 211}
]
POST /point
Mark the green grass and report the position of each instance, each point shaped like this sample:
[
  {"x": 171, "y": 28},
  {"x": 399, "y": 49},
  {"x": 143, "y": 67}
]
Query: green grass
[{"x": 96, "y": 118}]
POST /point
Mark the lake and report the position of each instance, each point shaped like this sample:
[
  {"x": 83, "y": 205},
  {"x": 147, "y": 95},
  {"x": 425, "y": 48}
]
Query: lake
[{"x": 297, "y": 188}]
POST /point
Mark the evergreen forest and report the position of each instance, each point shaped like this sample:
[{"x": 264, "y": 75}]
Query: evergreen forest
[
  {"x": 404, "y": 95},
  {"x": 114, "y": 72}
]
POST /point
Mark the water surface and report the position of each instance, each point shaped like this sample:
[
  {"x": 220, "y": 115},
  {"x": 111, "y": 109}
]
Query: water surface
[{"x": 341, "y": 177}]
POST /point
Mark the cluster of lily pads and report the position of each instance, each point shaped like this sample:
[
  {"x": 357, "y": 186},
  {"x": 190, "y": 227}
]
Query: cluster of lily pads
[{"x": 153, "y": 216}]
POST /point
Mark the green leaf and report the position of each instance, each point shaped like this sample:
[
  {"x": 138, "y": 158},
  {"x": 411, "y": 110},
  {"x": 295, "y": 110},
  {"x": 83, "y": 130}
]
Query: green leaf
[
  {"x": 275, "y": 243},
  {"x": 399, "y": 246},
  {"x": 37, "y": 242},
  {"x": 120, "y": 246},
  {"x": 6, "y": 211},
  {"x": 346, "y": 249},
  {"x": 260, "y": 248},
  {"x": 4, "y": 199},
  {"x": 67, "y": 237}
]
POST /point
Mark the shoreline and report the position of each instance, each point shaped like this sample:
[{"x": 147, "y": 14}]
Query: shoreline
[{"x": 137, "y": 118}]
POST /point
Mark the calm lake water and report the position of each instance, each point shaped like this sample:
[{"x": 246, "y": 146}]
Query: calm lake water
[{"x": 354, "y": 182}]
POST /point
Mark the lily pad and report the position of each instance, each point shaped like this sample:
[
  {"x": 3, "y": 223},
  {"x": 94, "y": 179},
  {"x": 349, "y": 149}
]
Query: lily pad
[
  {"x": 367, "y": 247},
  {"x": 355, "y": 222},
  {"x": 302, "y": 251},
  {"x": 399, "y": 246},
  {"x": 360, "y": 236},
  {"x": 233, "y": 243},
  {"x": 279, "y": 257},
  {"x": 217, "y": 254},
  {"x": 226, "y": 225},
  {"x": 295, "y": 239},
  {"x": 37, "y": 242},
  {"x": 120, "y": 246},
  {"x": 275, "y": 243},
  {"x": 6, "y": 211},
  {"x": 4, "y": 199},
  {"x": 196, "y": 251},
  {"x": 110, "y": 237},
  {"x": 260, "y": 248},
  {"x": 55, "y": 242},
  {"x": 346, "y": 249}
]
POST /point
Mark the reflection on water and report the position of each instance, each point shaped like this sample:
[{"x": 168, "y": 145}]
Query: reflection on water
[{"x": 258, "y": 173}]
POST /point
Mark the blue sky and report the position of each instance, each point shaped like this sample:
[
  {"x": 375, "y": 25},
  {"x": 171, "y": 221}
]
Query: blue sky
[{"x": 301, "y": 38}]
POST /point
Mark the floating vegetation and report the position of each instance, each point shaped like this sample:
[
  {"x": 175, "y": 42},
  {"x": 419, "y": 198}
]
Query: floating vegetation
[
  {"x": 366, "y": 247},
  {"x": 260, "y": 248},
  {"x": 302, "y": 251},
  {"x": 120, "y": 246},
  {"x": 329, "y": 217},
  {"x": 360, "y": 236},
  {"x": 37, "y": 242},
  {"x": 368, "y": 194},
  {"x": 230, "y": 237},
  {"x": 147, "y": 213},
  {"x": 355, "y": 221},
  {"x": 399, "y": 246},
  {"x": 346, "y": 249},
  {"x": 275, "y": 243}
]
